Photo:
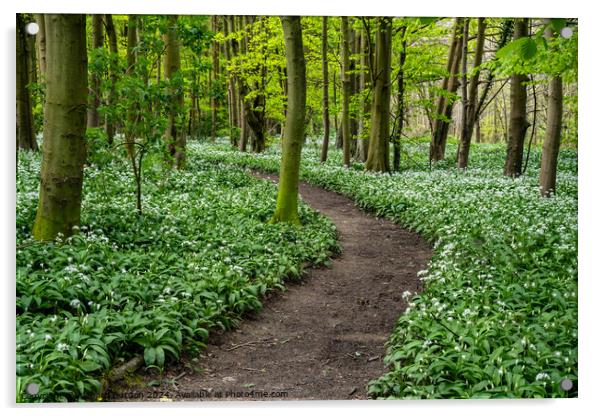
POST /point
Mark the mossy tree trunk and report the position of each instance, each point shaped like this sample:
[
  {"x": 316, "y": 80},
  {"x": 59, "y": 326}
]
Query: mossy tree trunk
[
  {"x": 41, "y": 42},
  {"x": 94, "y": 97},
  {"x": 288, "y": 187},
  {"x": 364, "y": 84},
  {"x": 61, "y": 175},
  {"x": 214, "y": 75},
  {"x": 325, "y": 115},
  {"x": 113, "y": 70},
  {"x": 551, "y": 141},
  {"x": 25, "y": 131},
  {"x": 399, "y": 115},
  {"x": 518, "y": 112},
  {"x": 346, "y": 91},
  {"x": 174, "y": 134},
  {"x": 132, "y": 42},
  {"x": 378, "y": 150}
]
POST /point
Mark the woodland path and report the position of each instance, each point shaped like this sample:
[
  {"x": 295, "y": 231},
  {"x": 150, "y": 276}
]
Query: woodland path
[{"x": 323, "y": 338}]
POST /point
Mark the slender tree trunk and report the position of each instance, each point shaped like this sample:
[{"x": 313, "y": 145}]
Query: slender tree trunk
[
  {"x": 174, "y": 134},
  {"x": 450, "y": 85},
  {"x": 400, "y": 107},
  {"x": 132, "y": 42},
  {"x": 25, "y": 132},
  {"x": 325, "y": 115},
  {"x": 469, "y": 112},
  {"x": 113, "y": 70},
  {"x": 61, "y": 175},
  {"x": 41, "y": 38},
  {"x": 354, "y": 87},
  {"x": 244, "y": 126},
  {"x": 288, "y": 187},
  {"x": 346, "y": 86},
  {"x": 551, "y": 142},
  {"x": 518, "y": 113},
  {"x": 214, "y": 75},
  {"x": 94, "y": 97},
  {"x": 378, "y": 151},
  {"x": 364, "y": 81}
]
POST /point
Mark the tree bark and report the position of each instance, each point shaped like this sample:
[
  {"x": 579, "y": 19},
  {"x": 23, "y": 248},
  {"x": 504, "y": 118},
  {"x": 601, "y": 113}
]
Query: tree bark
[
  {"x": 25, "y": 131},
  {"x": 518, "y": 112},
  {"x": 325, "y": 115},
  {"x": 174, "y": 134},
  {"x": 132, "y": 42},
  {"x": 378, "y": 151},
  {"x": 113, "y": 70},
  {"x": 41, "y": 37},
  {"x": 450, "y": 85},
  {"x": 346, "y": 87},
  {"x": 364, "y": 84},
  {"x": 400, "y": 107},
  {"x": 214, "y": 74},
  {"x": 551, "y": 141},
  {"x": 61, "y": 175},
  {"x": 94, "y": 97},
  {"x": 288, "y": 187}
]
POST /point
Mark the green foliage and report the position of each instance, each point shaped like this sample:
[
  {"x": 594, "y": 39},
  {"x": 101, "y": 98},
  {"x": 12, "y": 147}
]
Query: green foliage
[
  {"x": 199, "y": 257},
  {"x": 498, "y": 316}
]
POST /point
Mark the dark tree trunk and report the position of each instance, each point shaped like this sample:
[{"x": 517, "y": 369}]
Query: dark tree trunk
[
  {"x": 364, "y": 84},
  {"x": 518, "y": 113},
  {"x": 325, "y": 115},
  {"x": 113, "y": 70},
  {"x": 25, "y": 132},
  {"x": 444, "y": 104},
  {"x": 214, "y": 74},
  {"x": 346, "y": 88},
  {"x": 378, "y": 151},
  {"x": 400, "y": 108}
]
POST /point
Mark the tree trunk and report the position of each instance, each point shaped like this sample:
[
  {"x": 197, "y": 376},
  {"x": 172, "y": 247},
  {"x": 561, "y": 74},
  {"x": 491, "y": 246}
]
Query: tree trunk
[
  {"x": 25, "y": 132},
  {"x": 551, "y": 142},
  {"x": 346, "y": 86},
  {"x": 469, "y": 113},
  {"x": 64, "y": 154},
  {"x": 41, "y": 37},
  {"x": 242, "y": 119},
  {"x": 132, "y": 42},
  {"x": 94, "y": 97},
  {"x": 325, "y": 115},
  {"x": 214, "y": 74},
  {"x": 450, "y": 85},
  {"x": 364, "y": 84},
  {"x": 288, "y": 187},
  {"x": 378, "y": 151},
  {"x": 113, "y": 70},
  {"x": 174, "y": 134},
  {"x": 400, "y": 108},
  {"x": 518, "y": 113}
]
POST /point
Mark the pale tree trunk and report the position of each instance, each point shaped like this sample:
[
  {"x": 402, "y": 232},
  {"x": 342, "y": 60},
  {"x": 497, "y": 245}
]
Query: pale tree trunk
[
  {"x": 518, "y": 113},
  {"x": 25, "y": 131},
  {"x": 94, "y": 97},
  {"x": 378, "y": 151},
  {"x": 551, "y": 141},
  {"x": 469, "y": 110},
  {"x": 132, "y": 42},
  {"x": 444, "y": 105},
  {"x": 61, "y": 175},
  {"x": 41, "y": 41},
  {"x": 113, "y": 70},
  {"x": 325, "y": 115},
  {"x": 288, "y": 186},
  {"x": 242, "y": 119},
  {"x": 346, "y": 86},
  {"x": 174, "y": 134}
]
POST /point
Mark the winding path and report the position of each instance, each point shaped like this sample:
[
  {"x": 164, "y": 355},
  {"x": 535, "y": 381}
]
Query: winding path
[{"x": 323, "y": 338}]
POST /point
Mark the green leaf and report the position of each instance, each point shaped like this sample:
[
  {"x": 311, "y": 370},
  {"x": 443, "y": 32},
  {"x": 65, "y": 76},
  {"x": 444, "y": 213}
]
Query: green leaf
[
  {"x": 150, "y": 355},
  {"x": 160, "y": 356},
  {"x": 89, "y": 366}
]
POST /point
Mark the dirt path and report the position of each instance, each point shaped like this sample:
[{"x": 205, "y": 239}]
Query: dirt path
[{"x": 322, "y": 338}]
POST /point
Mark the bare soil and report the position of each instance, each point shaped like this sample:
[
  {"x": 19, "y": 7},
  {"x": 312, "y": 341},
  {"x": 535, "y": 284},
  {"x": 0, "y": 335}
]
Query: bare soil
[{"x": 322, "y": 339}]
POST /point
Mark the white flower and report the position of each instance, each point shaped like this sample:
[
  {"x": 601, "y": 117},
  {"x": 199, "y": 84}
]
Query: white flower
[
  {"x": 47, "y": 337},
  {"x": 542, "y": 376},
  {"x": 406, "y": 295},
  {"x": 62, "y": 347},
  {"x": 74, "y": 303}
]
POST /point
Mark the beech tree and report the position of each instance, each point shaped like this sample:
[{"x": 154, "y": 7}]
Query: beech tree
[
  {"x": 113, "y": 70},
  {"x": 346, "y": 85},
  {"x": 288, "y": 187},
  {"x": 518, "y": 111},
  {"x": 95, "y": 93},
  {"x": 325, "y": 115},
  {"x": 64, "y": 152},
  {"x": 378, "y": 150}
]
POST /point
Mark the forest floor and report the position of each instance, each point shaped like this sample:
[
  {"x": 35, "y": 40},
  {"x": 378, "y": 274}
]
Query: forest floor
[{"x": 322, "y": 339}]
